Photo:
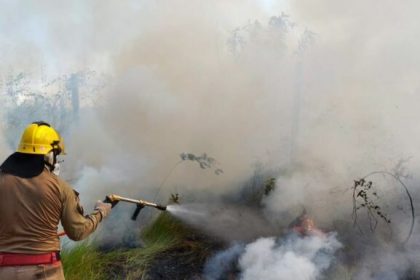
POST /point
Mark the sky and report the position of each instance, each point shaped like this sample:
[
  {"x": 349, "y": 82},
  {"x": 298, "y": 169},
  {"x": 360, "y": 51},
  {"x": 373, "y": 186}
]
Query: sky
[{"x": 66, "y": 36}]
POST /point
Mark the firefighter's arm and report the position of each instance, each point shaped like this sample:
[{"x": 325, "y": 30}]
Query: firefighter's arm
[{"x": 76, "y": 225}]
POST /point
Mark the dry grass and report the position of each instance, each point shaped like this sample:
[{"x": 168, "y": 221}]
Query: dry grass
[{"x": 166, "y": 242}]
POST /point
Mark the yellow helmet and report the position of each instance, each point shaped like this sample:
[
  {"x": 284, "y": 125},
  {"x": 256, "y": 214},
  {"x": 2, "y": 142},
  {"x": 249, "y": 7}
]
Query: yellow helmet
[{"x": 39, "y": 138}]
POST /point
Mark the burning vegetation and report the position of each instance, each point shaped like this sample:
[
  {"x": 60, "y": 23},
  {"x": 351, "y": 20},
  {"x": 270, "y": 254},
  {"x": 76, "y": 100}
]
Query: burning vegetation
[
  {"x": 190, "y": 241},
  {"x": 295, "y": 107}
]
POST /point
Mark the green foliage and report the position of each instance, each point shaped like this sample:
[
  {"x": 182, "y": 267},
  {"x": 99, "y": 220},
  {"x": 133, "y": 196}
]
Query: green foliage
[
  {"x": 270, "y": 185},
  {"x": 83, "y": 262},
  {"x": 165, "y": 236},
  {"x": 174, "y": 198},
  {"x": 165, "y": 230},
  {"x": 203, "y": 161},
  {"x": 258, "y": 186}
]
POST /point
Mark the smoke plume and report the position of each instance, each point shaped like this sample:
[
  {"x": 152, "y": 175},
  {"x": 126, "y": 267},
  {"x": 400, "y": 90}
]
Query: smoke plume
[
  {"x": 322, "y": 93},
  {"x": 292, "y": 257},
  {"x": 223, "y": 262}
]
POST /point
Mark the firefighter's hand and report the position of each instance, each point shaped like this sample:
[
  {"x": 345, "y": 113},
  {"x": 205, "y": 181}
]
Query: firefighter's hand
[
  {"x": 109, "y": 200},
  {"x": 103, "y": 208}
]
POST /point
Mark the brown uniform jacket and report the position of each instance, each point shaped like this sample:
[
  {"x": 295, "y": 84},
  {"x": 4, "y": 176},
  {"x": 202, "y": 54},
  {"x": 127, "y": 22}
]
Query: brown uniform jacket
[{"x": 31, "y": 209}]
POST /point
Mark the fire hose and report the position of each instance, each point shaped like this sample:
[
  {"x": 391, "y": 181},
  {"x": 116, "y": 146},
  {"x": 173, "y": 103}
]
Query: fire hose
[{"x": 140, "y": 204}]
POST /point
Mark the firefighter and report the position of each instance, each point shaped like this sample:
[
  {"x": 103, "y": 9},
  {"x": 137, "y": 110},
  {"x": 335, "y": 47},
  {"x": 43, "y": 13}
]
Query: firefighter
[{"x": 33, "y": 201}]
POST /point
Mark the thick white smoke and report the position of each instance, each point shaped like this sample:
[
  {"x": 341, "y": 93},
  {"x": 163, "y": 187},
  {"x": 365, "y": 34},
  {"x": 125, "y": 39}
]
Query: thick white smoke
[
  {"x": 323, "y": 107},
  {"x": 291, "y": 257},
  {"x": 219, "y": 265}
]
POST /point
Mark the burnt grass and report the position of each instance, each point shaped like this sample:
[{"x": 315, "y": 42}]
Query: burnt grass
[
  {"x": 169, "y": 250},
  {"x": 186, "y": 260},
  {"x": 178, "y": 263}
]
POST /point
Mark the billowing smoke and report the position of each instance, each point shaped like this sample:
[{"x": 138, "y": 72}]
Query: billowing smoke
[
  {"x": 323, "y": 94},
  {"x": 223, "y": 263},
  {"x": 292, "y": 257}
]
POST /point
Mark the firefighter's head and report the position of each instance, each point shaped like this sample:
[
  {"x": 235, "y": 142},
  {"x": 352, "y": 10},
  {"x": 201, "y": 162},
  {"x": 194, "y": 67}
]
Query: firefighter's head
[{"x": 39, "y": 138}]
